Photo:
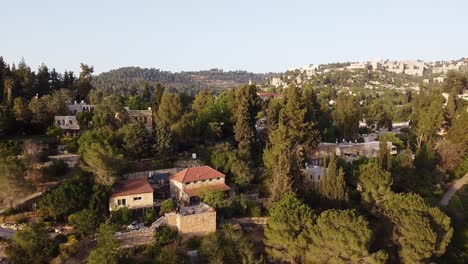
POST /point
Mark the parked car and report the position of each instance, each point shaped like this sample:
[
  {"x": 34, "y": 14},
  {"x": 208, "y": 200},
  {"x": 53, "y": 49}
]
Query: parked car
[{"x": 133, "y": 226}]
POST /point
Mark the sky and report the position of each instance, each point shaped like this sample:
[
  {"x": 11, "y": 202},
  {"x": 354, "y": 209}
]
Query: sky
[{"x": 253, "y": 35}]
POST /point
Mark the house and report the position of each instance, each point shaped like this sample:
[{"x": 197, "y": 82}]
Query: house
[
  {"x": 313, "y": 174},
  {"x": 76, "y": 108},
  {"x": 68, "y": 124},
  {"x": 189, "y": 184},
  {"x": 135, "y": 194},
  {"x": 347, "y": 151},
  {"x": 144, "y": 116}
]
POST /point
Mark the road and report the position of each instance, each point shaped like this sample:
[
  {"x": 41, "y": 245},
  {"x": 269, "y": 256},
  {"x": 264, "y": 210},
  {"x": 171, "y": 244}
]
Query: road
[
  {"x": 6, "y": 233},
  {"x": 453, "y": 188}
]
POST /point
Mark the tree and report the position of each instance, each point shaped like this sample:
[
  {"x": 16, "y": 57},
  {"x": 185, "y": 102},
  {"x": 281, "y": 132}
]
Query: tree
[
  {"x": 31, "y": 244},
  {"x": 167, "y": 206},
  {"x": 283, "y": 160},
  {"x": 222, "y": 156},
  {"x": 379, "y": 113},
  {"x": 235, "y": 248},
  {"x": 110, "y": 112},
  {"x": 136, "y": 140},
  {"x": 244, "y": 128},
  {"x": 105, "y": 161},
  {"x": 170, "y": 110},
  {"x": 170, "y": 255},
  {"x": 83, "y": 86},
  {"x": 427, "y": 116},
  {"x": 71, "y": 196},
  {"x": 164, "y": 146},
  {"x": 347, "y": 114},
  {"x": 213, "y": 198},
  {"x": 21, "y": 110},
  {"x": 108, "y": 248},
  {"x": 122, "y": 216},
  {"x": 84, "y": 221},
  {"x": 374, "y": 183},
  {"x": 340, "y": 236},
  {"x": 12, "y": 182},
  {"x": 288, "y": 219},
  {"x": 332, "y": 186},
  {"x": 156, "y": 97},
  {"x": 300, "y": 117},
  {"x": 420, "y": 231},
  {"x": 136, "y": 102},
  {"x": 41, "y": 83},
  {"x": 455, "y": 82},
  {"x": 384, "y": 157}
]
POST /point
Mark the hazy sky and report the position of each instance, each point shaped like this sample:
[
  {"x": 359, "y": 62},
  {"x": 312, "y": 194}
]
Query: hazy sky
[{"x": 253, "y": 35}]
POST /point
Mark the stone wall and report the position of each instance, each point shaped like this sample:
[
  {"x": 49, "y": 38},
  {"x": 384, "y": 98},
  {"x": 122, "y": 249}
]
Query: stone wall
[
  {"x": 199, "y": 224},
  {"x": 135, "y": 238}
]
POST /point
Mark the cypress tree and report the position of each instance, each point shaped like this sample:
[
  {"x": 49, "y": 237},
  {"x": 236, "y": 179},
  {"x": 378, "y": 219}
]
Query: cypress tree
[
  {"x": 244, "y": 128},
  {"x": 332, "y": 186}
]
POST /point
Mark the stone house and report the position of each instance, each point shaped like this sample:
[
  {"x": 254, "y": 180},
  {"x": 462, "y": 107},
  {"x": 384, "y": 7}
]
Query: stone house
[
  {"x": 135, "y": 194},
  {"x": 144, "y": 116},
  {"x": 68, "y": 124},
  {"x": 189, "y": 184},
  {"x": 347, "y": 151},
  {"x": 312, "y": 175},
  {"x": 76, "y": 108}
]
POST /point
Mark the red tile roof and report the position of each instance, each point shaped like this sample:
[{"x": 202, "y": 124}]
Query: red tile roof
[
  {"x": 135, "y": 186},
  {"x": 197, "y": 173},
  {"x": 197, "y": 191}
]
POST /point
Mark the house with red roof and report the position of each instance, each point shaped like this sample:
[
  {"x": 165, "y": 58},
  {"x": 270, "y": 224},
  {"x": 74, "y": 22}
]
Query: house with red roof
[
  {"x": 189, "y": 184},
  {"x": 133, "y": 194}
]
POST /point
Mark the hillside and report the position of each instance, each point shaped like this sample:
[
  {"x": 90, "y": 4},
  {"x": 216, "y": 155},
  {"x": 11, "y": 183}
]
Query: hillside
[{"x": 129, "y": 80}]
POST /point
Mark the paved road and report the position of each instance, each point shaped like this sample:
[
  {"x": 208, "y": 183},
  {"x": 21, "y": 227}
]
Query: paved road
[
  {"x": 6, "y": 233},
  {"x": 453, "y": 188}
]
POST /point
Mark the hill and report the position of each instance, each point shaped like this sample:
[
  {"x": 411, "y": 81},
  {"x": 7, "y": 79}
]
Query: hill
[{"x": 129, "y": 80}]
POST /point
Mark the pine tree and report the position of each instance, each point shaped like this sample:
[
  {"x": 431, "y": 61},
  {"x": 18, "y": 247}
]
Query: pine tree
[
  {"x": 289, "y": 217},
  {"x": 374, "y": 183},
  {"x": 340, "y": 236},
  {"x": 108, "y": 248},
  {"x": 105, "y": 161},
  {"x": 419, "y": 230},
  {"x": 332, "y": 186}
]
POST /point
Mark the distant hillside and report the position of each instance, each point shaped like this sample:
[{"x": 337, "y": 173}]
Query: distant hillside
[{"x": 129, "y": 80}]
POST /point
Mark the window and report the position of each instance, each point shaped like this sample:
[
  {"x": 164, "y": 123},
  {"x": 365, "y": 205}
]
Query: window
[
  {"x": 121, "y": 202},
  {"x": 136, "y": 198}
]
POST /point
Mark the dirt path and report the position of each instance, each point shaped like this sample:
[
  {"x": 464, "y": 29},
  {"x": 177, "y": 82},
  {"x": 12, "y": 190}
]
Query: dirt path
[{"x": 453, "y": 188}]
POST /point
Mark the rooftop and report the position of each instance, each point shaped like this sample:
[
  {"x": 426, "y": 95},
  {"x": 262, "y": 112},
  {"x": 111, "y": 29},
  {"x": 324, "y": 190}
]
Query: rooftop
[
  {"x": 129, "y": 187},
  {"x": 195, "y": 209},
  {"x": 196, "y": 174}
]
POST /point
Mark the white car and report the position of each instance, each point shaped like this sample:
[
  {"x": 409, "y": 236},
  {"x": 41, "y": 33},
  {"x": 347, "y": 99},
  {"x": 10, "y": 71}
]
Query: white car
[{"x": 133, "y": 226}]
